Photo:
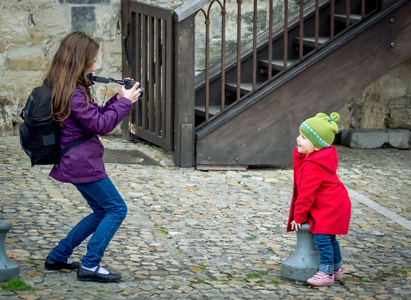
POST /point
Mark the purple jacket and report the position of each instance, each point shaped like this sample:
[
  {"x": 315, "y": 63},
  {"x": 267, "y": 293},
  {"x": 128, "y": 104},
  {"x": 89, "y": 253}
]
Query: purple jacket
[{"x": 84, "y": 163}]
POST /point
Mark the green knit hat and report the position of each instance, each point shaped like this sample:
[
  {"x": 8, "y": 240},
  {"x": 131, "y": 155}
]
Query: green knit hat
[{"x": 321, "y": 129}]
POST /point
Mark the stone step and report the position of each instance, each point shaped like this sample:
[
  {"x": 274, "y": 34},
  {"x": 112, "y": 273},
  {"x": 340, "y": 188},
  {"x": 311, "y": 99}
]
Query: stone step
[{"x": 376, "y": 138}]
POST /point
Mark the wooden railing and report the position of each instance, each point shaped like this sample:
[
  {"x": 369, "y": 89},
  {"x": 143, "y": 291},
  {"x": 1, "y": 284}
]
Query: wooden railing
[{"x": 252, "y": 50}]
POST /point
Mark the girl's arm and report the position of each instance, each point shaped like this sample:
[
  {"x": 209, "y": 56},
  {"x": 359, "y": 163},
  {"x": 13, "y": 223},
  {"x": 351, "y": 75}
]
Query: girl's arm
[
  {"x": 108, "y": 103},
  {"x": 95, "y": 120},
  {"x": 131, "y": 94}
]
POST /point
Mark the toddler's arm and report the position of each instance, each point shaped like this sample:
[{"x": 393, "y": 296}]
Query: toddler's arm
[{"x": 295, "y": 226}]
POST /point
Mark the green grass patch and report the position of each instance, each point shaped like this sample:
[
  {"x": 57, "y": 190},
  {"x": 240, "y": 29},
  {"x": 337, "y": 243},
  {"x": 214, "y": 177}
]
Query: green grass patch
[
  {"x": 252, "y": 238},
  {"x": 16, "y": 284},
  {"x": 255, "y": 275},
  {"x": 163, "y": 231},
  {"x": 100, "y": 291},
  {"x": 202, "y": 266},
  {"x": 365, "y": 281},
  {"x": 273, "y": 282},
  {"x": 201, "y": 280},
  {"x": 400, "y": 271},
  {"x": 30, "y": 261}
]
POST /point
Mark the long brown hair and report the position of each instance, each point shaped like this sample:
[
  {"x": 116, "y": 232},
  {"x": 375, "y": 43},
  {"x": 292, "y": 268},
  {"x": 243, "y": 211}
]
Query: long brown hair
[{"x": 68, "y": 70}]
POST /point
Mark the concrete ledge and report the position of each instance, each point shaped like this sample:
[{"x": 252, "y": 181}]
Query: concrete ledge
[{"x": 376, "y": 138}]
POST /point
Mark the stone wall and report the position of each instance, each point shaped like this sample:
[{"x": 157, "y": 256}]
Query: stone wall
[
  {"x": 385, "y": 104},
  {"x": 30, "y": 32}
]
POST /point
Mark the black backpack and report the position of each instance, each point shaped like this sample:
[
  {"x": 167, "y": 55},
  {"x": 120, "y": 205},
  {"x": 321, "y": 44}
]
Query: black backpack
[{"x": 39, "y": 132}]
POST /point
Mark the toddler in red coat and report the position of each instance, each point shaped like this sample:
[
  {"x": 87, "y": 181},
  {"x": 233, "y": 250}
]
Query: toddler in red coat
[{"x": 319, "y": 197}]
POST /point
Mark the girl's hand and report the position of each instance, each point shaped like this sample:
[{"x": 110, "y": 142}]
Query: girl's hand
[
  {"x": 132, "y": 94},
  {"x": 295, "y": 226}
]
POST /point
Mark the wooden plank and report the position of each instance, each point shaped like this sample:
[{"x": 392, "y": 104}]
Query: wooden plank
[
  {"x": 187, "y": 142},
  {"x": 184, "y": 91},
  {"x": 245, "y": 87},
  {"x": 168, "y": 61},
  {"x": 125, "y": 25},
  {"x": 310, "y": 41},
  {"x": 343, "y": 18},
  {"x": 212, "y": 110},
  {"x": 277, "y": 64}
]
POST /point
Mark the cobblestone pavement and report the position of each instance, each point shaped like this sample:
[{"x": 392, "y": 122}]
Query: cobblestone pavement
[{"x": 208, "y": 235}]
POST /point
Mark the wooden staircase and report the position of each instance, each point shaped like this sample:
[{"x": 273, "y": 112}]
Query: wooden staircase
[
  {"x": 245, "y": 111},
  {"x": 318, "y": 73}
]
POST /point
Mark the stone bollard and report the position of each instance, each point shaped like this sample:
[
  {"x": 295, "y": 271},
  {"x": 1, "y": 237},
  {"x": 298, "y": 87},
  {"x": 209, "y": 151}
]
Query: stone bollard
[
  {"x": 305, "y": 261},
  {"x": 8, "y": 269}
]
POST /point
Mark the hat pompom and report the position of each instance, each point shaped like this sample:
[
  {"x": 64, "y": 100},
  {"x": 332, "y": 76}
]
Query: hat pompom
[{"x": 334, "y": 117}]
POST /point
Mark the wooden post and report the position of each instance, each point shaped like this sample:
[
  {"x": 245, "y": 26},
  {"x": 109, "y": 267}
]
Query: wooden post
[
  {"x": 126, "y": 47},
  {"x": 184, "y": 94}
]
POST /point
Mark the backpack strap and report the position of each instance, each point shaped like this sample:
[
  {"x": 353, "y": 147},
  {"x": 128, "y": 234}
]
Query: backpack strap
[{"x": 74, "y": 143}]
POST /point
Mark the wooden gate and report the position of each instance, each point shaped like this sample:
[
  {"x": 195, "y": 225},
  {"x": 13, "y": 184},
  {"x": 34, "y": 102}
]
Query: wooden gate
[{"x": 147, "y": 35}]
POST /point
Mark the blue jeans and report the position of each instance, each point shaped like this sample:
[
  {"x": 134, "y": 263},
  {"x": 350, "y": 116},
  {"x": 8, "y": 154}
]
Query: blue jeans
[
  {"x": 330, "y": 253},
  {"x": 109, "y": 211}
]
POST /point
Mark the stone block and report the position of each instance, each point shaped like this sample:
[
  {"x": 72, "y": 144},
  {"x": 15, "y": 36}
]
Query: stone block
[
  {"x": 83, "y": 18},
  {"x": 12, "y": 25},
  {"x": 400, "y": 118},
  {"x": 399, "y": 138},
  {"x": 51, "y": 21},
  {"x": 376, "y": 138},
  {"x": 35, "y": 38},
  {"x": 364, "y": 138},
  {"x": 26, "y": 64}
]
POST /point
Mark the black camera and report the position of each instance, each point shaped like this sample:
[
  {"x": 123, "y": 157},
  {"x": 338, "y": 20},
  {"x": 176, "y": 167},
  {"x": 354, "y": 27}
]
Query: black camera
[{"x": 128, "y": 83}]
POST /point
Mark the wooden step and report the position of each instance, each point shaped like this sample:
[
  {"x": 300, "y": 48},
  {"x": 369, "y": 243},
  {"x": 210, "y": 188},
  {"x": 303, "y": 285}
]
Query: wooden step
[
  {"x": 310, "y": 41},
  {"x": 245, "y": 87},
  {"x": 212, "y": 110},
  {"x": 354, "y": 18},
  {"x": 277, "y": 65}
]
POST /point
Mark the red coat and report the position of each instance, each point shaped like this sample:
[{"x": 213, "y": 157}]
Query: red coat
[{"x": 318, "y": 195}]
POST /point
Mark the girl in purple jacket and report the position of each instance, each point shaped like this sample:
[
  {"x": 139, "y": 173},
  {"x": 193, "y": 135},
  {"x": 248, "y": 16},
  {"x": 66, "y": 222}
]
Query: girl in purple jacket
[{"x": 79, "y": 115}]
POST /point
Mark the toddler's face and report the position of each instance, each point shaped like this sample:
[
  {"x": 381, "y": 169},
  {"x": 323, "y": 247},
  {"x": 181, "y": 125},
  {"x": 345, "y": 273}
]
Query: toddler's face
[{"x": 304, "y": 145}]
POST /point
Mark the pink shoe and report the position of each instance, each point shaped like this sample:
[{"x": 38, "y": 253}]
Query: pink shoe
[
  {"x": 338, "y": 275},
  {"x": 321, "y": 279}
]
